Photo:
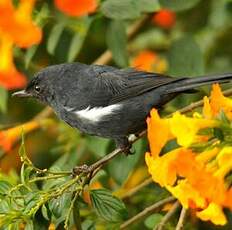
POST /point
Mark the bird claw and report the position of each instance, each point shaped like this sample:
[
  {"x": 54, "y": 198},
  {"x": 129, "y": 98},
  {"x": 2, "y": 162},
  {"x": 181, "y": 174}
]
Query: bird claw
[{"x": 128, "y": 151}]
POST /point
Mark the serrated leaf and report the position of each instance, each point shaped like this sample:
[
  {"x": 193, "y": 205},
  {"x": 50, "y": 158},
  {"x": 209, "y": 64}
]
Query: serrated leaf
[
  {"x": 3, "y": 99},
  {"x": 108, "y": 206},
  {"x": 54, "y": 37},
  {"x": 185, "y": 58},
  {"x": 152, "y": 221},
  {"x": 120, "y": 9},
  {"x": 117, "y": 41},
  {"x": 59, "y": 206},
  {"x": 4, "y": 187},
  {"x": 149, "y": 6},
  {"x": 178, "y": 5}
]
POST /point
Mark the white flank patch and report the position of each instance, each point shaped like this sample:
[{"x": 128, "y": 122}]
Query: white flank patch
[{"x": 95, "y": 114}]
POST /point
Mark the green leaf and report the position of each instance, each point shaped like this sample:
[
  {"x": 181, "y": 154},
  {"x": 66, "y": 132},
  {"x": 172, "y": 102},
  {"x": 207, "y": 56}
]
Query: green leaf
[
  {"x": 152, "y": 221},
  {"x": 149, "y": 6},
  {"x": 29, "y": 225},
  {"x": 185, "y": 58},
  {"x": 3, "y": 99},
  {"x": 117, "y": 41},
  {"x": 223, "y": 117},
  {"x": 178, "y": 5},
  {"x": 120, "y": 9},
  {"x": 108, "y": 206},
  {"x": 29, "y": 54},
  {"x": 74, "y": 48},
  {"x": 88, "y": 225},
  {"x": 4, "y": 187},
  {"x": 218, "y": 133},
  {"x": 45, "y": 212},
  {"x": 54, "y": 37},
  {"x": 59, "y": 206},
  {"x": 80, "y": 28}
]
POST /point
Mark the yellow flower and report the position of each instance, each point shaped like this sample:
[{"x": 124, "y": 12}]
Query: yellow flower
[
  {"x": 213, "y": 213},
  {"x": 217, "y": 103},
  {"x": 187, "y": 195},
  {"x": 196, "y": 179},
  {"x": 157, "y": 140},
  {"x": 185, "y": 129}
]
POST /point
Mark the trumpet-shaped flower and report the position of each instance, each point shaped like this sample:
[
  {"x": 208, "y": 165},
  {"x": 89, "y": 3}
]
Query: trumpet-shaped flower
[
  {"x": 10, "y": 78},
  {"x": 17, "y": 23},
  {"x": 196, "y": 179},
  {"x": 217, "y": 103},
  {"x": 10, "y": 136}
]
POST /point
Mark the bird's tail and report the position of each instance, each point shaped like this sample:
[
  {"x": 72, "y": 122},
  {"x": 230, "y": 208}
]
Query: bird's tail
[{"x": 187, "y": 84}]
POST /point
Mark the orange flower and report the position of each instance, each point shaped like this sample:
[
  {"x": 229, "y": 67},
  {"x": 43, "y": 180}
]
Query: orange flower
[
  {"x": 197, "y": 179},
  {"x": 17, "y": 23},
  {"x": 217, "y": 103},
  {"x": 149, "y": 61},
  {"x": 164, "y": 18},
  {"x": 76, "y": 8},
  {"x": 10, "y": 136},
  {"x": 10, "y": 78},
  {"x": 159, "y": 138}
]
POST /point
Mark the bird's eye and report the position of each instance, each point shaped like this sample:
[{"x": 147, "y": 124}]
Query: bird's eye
[{"x": 37, "y": 88}]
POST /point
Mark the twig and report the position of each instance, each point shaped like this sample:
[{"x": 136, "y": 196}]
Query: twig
[
  {"x": 146, "y": 212},
  {"x": 181, "y": 220},
  {"x": 168, "y": 215},
  {"x": 134, "y": 190}
]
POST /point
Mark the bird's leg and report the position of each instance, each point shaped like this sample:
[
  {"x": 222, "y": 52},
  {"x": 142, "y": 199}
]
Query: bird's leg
[{"x": 124, "y": 144}]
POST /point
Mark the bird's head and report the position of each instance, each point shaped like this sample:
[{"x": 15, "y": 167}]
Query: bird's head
[
  {"x": 44, "y": 84},
  {"x": 55, "y": 84}
]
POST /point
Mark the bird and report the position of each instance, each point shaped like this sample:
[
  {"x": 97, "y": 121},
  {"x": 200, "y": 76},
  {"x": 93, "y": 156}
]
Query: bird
[{"x": 107, "y": 101}]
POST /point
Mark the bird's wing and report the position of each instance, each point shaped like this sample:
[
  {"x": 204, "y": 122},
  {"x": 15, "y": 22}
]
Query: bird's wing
[{"x": 119, "y": 85}]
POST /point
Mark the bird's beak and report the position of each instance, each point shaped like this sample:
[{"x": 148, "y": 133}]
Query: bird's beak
[{"x": 21, "y": 93}]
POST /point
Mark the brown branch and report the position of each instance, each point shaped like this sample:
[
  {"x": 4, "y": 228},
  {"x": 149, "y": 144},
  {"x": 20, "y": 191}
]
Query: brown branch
[
  {"x": 181, "y": 220},
  {"x": 168, "y": 215},
  {"x": 134, "y": 190},
  {"x": 146, "y": 212}
]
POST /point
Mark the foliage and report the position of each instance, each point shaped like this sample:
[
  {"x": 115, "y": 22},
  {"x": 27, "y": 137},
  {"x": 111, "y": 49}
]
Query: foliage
[{"x": 38, "y": 189}]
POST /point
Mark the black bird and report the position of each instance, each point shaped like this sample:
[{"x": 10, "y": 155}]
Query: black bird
[{"x": 105, "y": 101}]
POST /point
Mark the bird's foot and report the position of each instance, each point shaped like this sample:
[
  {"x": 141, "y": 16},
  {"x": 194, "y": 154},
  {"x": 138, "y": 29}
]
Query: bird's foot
[{"x": 124, "y": 144}]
